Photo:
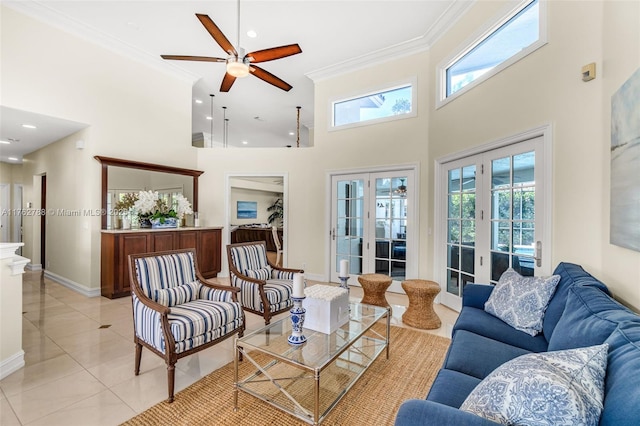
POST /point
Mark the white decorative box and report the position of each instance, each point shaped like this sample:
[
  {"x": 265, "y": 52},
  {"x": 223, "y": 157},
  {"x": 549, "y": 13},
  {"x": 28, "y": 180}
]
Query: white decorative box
[{"x": 327, "y": 308}]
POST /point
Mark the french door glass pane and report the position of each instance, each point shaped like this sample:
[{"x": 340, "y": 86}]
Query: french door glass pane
[
  {"x": 461, "y": 235},
  {"x": 512, "y": 214},
  {"x": 349, "y": 224},
  {"x": 391, "y": 227}
]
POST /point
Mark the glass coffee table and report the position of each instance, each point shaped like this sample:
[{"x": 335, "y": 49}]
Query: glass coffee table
[{"x": 308, "y": 380}]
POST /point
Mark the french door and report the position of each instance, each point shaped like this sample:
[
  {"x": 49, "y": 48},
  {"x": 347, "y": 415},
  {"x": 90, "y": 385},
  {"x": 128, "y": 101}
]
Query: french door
[
  {"x": 373, "y": 224},
  {"x": 492, "y": 211}
]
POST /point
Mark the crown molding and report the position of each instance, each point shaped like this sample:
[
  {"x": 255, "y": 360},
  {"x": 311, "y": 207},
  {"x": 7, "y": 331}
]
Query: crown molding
[
  {"x": 41, "y": 12},
  {"x": 410, "y": 47}
]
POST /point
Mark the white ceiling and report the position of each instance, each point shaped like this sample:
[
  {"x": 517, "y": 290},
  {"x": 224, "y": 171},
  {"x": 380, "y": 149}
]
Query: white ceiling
[{"x": 335, "y": 37}]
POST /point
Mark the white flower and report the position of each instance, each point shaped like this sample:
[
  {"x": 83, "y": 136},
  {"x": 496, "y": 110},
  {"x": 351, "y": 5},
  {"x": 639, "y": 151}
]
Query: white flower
[
  {"x": 147, "y": 202},
  {"x": 183, "y": 206}
]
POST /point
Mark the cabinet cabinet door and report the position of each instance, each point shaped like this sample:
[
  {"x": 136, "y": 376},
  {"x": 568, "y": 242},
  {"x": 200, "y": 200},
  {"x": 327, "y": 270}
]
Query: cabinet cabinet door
[
  {"x": 187, "y": 239},
  {"x": 209, "y": 252},
  {"x": 162, "y": 241}
]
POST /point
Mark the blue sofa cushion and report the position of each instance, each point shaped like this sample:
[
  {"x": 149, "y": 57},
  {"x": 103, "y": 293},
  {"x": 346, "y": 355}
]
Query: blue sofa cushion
[
  {"x": 551, "y": 388},
  {"x": 521, "y": 301},
  {"x": 451, "y": 387},
  {"x": 589, "y": 318},
  {"x": 477, "y": 356},
  {"x": 476, "y": 295},
  {"x": 417, "y": 412},
  {"x": 480, "y": 322},
  {"x": 570, "y": 274},
  {"x": 622, "y": 389}
]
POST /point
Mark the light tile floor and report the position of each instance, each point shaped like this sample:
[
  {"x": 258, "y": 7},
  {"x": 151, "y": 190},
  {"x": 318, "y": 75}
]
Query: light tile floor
[{"x": 78, "y": 373}]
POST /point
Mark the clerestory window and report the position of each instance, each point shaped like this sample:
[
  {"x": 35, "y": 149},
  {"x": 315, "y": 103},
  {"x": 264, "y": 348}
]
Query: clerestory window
[
  {"x": 506, "y": 41},
  {"x": 390, "y": 103}
]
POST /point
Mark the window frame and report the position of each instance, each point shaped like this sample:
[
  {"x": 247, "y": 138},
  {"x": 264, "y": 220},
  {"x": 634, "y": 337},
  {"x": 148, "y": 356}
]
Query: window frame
[
  {"x": 387, "y": 87},
  {"x": 481, "y": 35}
]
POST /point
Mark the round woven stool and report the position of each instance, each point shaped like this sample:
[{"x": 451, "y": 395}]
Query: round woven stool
[
  {"x": 374, "y": 287},
  {"x": 420, "y": 312}
]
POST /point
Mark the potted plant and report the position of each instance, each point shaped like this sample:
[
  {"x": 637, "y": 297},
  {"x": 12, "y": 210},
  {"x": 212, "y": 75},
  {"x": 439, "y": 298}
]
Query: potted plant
[
  {"x": 277, "y": 212},
  {"x": 155, "y": 213},
  {"x": 123, "y": 209}
]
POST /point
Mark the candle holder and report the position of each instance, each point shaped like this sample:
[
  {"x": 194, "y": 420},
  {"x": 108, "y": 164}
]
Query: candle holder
[
  {"x": 297, "y": 321},
  {"x": 343, "y": 282}
]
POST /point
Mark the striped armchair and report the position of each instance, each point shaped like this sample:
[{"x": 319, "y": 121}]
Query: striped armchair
[
  {"x": 265, "y": 288},
  {"x": 176, "y": 312}
]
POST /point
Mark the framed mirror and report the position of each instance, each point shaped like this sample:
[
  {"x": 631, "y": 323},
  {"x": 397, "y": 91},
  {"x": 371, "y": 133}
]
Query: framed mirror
[{"x": 122, "y": 176}]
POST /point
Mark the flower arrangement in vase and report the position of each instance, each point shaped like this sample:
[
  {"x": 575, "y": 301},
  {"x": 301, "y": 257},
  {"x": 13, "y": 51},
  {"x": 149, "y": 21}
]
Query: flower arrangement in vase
[
  {"x": 154, "y": 211},
  {"x": 124, "y": 208}
]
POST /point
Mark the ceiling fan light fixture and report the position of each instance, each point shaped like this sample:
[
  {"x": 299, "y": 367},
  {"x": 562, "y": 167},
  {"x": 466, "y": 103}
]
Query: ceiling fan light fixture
[{"x": 237, "y": 68}]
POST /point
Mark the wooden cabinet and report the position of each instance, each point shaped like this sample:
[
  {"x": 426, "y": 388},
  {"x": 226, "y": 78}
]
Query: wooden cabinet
[
  {"x": 246, "y": 234},
  {"x": 118, "y": 245}
]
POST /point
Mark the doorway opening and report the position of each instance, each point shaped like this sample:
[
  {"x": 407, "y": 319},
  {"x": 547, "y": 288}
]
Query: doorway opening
[{"x": 256, "y": 203}]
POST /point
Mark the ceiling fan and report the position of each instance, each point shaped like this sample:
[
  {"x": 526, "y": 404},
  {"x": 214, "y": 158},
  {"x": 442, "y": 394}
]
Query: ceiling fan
[{"x": 240, "y": 64}]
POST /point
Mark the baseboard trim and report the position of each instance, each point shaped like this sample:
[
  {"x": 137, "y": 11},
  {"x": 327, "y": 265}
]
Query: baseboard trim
[
  {"x": 315, "y": 277},
  {"x": 33, "y": 267},
  {"x": 12, "y": 364},
  {"x": 72, "y": 285}
]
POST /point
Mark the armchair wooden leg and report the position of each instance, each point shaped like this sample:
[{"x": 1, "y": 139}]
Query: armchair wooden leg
[
  {"x": 171, "y": 377},
  {"x": 138, "y": 358}
]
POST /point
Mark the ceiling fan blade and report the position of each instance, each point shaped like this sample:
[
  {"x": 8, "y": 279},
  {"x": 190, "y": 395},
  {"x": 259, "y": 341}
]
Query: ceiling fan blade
[
  {"x": 217, "y": 35},
  {"x": 193, "y": 58},
  {"x": 227, "y": 82},
  {"x": 270, "y": 78},
  {"x": 274, "y": 53}
]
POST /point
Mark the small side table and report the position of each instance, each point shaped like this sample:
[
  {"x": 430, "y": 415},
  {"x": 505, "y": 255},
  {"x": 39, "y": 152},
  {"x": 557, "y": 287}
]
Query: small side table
[
  {"x": 420, "y": 313},
  {"x": 374, "y": 287}
]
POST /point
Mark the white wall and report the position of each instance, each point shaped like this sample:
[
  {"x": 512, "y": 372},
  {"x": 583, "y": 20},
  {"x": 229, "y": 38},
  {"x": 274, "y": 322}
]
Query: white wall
[
  {"x": 546, "y": 87},
  {"x": 133, "y": 112},
  {"x": 398, "y": 142}
]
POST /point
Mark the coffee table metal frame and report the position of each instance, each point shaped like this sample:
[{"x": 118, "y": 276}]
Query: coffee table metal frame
[{"x": 355, "y": 346}]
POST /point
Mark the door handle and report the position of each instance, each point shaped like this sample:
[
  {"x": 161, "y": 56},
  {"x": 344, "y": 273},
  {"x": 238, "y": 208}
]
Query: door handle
[{"x": 538, "y": 255}]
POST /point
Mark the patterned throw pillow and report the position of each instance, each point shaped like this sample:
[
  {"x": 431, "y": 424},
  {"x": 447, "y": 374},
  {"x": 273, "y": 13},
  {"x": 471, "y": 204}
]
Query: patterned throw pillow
[
  {"x": 261, "y": 274},
  {"x": 521, "y": 301},
  {"x": 549, "y": 388},
  {"x": 178, "y": 295}
]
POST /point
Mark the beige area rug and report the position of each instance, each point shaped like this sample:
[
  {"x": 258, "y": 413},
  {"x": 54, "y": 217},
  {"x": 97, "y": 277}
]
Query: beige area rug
[{"x": 415, "y": 358}]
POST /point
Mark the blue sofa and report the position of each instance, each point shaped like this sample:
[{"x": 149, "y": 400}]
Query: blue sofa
[{"x": 581, "y": 313}]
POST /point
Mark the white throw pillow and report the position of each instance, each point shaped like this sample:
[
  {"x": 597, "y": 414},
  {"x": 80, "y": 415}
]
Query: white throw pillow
[
  {"x": 521, "y": 301},
  {"x": 549, "y": 388}
]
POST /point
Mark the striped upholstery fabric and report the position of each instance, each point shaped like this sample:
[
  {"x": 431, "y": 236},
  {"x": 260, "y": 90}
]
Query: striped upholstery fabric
[
  {"x": 177, "y": 295},
  {"x": 261, "y": 274},
  {"x": 278, "y": 294},
  {"x": 160, "y": 272},
  {"x": 199, "y": 314},
  {"x": 279, "y": 284},
  {"x": 250, "y": 257},
  {"x": 282, "y": 275},
  {"x": 208, "y": 293},
  {"x": 200, "y": 317},
  {"x": 205, "y": 338},
  {"x": 192, "y": 323},
  {"x": 147, "y": 324}
]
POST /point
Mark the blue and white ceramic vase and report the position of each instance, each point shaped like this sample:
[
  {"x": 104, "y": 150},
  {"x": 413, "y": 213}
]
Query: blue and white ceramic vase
[
  {"x": 297, "y": 321},
  {"x": 169, "y": 222}
]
